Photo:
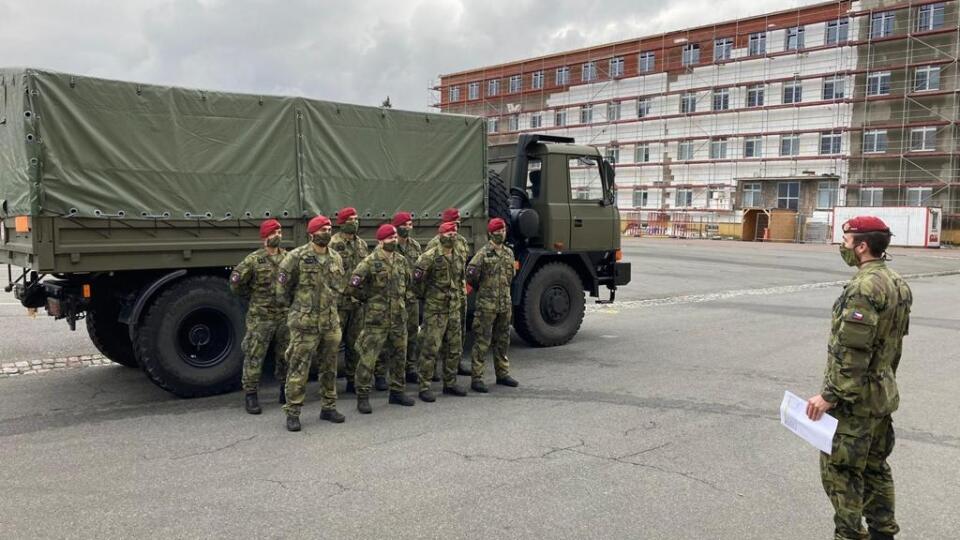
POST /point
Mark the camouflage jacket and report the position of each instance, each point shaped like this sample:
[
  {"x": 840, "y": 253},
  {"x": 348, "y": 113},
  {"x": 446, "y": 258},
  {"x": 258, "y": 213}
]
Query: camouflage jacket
[
  {"x": 311, "y": 284},
  {"x": 352, "y": 251},
  {"x": 866, "y": 338},
  {"x": 253, "y": 279},
  {"x": 461, "y": 248},
  {"x": 438, "y": 279},
  {"x": 380, "y": 281},
  {"x": 411, "y": 252},
  {"x": 491, "y": 272}
]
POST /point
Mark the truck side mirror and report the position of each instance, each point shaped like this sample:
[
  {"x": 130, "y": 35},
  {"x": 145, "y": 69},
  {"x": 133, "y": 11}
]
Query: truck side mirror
[{"x": 609, "y": 199}]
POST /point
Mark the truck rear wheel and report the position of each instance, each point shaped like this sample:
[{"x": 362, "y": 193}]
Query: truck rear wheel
[
  {"x": 189, "y": 342},
  {"x": 110, "y": 336},
  {"x": 551, "y": 310},
  {"x": 498, "y": 197}
]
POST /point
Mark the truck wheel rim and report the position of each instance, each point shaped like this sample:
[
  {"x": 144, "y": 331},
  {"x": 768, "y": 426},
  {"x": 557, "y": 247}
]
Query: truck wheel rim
[
  {"x": 555, "y": 304},
  {"x": 204, "y": 338}
]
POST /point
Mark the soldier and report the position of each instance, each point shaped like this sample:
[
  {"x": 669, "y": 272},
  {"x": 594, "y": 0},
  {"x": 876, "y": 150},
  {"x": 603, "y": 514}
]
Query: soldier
[
  {"x": 438, "y": 278},
  {"x": 310, "y": 281},
  {"x": 380, "y": 281},
  {"x": 490, "y": 273},
  {"x": 411, "y": 251},
  {"x": 253, "y": 279},
  {"x": 870, "y": 319},
  {"x": 462, "y": 250},
  {"x": 352, "y": 250}
]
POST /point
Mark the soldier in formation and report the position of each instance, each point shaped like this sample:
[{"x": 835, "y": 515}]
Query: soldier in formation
[
  {"x": 352, "y": 250},
  {"x": 411, "y": 251}
]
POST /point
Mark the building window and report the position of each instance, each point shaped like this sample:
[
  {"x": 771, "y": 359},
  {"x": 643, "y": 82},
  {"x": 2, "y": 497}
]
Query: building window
[
  {"x": 560, "y": 117},
  {"x": 562, "y": 76},
  {"x": 829, "y": 143},
  {"x": 612, "y": 154},
  {"x": 643, "y": 107},
  {"x": 588, "y": 72},
  {"x": 685, "y": 150},
  {"x": 648, "y": 62},
  {"x": 536, "y": 121},
  {"x": 751, "y": 195},
  {"x": 789, "y": 145},
  {"x": 722, "y": 49},
  {"x": 690, "y": 55},
  {"x": 454, "y": 94},
  {"x": 878, "y": 84},
  {"x": 473, "y": 90},
  {"x": 875, "y": 141},
  {"x": 641, "y": 154},
  {"x": 757, "y": 44},
  {"x": 755, "y": 95},
  {"x": 792, "y": 92},
  {"x": 753, "y": 147},
  {"x": 826, "y": 194},
  {"x": 833, "y": 87},
  {"x": 616, "y": 67},
  {"x": 721, "y": 99},
  {"x": 930, "y": 17},
  {"x": 788, "y": 195},
  {"x": 871, "y": 197},
  {"x": 926, "y": 78},
  {"x": 718, "y": 148},
  {"x": 586, "y": 114},
  {"x": 923, "y": 139},
  {"x": 513, "y": 123},
  {"x": 640, "y": 198},
  {"x": 493, "y": 125},
  {"x": 881, "y": 24},
  {"x": 516, "y": 82},
  {"x": 684, "y": 198},
  {"x": 493, "y": 87},
  {"x": 536, "y": 80},
  {"x": 919, "y": 196},
  {"x": 613, "y": 111},
  {"x": 838, "y": 31},
  {"x": 794, "y": 39},
  {"x": 688, "y": 102}
]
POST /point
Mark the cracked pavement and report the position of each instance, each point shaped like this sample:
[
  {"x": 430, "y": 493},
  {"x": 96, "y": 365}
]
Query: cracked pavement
[{"x": 656, "y": 421}]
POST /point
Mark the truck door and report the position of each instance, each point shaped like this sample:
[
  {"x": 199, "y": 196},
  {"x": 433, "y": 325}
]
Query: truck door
[{"x": 590, "y": 220}]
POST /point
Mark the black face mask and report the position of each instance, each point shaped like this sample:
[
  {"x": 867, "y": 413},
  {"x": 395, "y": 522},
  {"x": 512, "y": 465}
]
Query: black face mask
[
  {"x": 403, "y": 232},
  {"x": 274, "y": 241},
  {"x": 350, "y": 227},
  {"x": 321, "y": 239},
  {"x": 447, "y": 241}
]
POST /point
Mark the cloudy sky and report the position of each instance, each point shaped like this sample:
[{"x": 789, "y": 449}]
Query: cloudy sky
[{"x": 357, "y": 52}]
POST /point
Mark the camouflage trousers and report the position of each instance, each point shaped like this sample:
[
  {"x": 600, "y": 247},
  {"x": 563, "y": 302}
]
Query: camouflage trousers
[
  {"x": 391, "y": 340},
  {"x": 413, "y": 334},
  {"x": 351, "y": 323},
  {"x": 260, "y": 332},
  {"x": 491, "y": 327},
  {"x": 441, "y": 338},
  {"x": 304, "y": 347},
  {"x": 857, "y": 478}
]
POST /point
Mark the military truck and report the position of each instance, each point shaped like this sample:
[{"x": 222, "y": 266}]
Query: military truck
[{"x": 125, "y": 206}]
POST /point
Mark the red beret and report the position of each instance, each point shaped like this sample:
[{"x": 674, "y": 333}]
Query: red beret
[
  {"x": 344, "y": 214},
  {"x": 450, "y": 214},
  {"x": 317, "y": 223},
  {"x": 269, "y": 227},
  {"x": 496, "y": 224},
  {"x": 865, "y": 224},
  {"x": 449, "y": 226},
  {"x": 400, "y": 218},
  {"x": 386, "y": 231}
]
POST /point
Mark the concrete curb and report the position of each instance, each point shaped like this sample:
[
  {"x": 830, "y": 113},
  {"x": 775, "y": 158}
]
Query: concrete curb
[{"x": 34, "y": 367}]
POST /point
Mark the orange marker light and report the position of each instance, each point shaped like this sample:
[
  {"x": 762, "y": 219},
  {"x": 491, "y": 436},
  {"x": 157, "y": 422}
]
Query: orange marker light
[
  {"x": 619, "y": 254},
  {"x": 86, "y": 290},
  {"x": 22, "y": 224}
]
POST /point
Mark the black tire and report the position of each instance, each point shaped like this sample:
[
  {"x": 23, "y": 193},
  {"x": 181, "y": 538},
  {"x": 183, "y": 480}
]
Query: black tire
[
  {"x": 498, "y": 197},
  {"x": 110, "y": 336},
  {"x": 189, "y": 341},
  {"x": 551, "y": 310}
]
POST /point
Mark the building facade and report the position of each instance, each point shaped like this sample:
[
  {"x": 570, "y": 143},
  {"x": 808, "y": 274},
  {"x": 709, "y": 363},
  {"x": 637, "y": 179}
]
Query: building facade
[{"x": 843, "y": 103}]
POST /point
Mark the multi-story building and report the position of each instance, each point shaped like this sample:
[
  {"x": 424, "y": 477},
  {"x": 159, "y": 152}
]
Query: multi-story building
[{"x": 841, "y": 103}]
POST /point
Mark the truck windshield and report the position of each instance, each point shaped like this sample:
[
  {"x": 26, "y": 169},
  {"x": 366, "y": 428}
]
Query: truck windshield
[{"x": 586, "y": 181}]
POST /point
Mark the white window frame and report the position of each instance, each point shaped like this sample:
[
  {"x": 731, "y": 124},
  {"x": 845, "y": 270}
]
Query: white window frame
[
  {"x": 930, "y": 17},
  {"x": 688, "y": 102},
  {"x": 536, "y": 80},
  {"x": 878, "y": 83},
  {"x": 722, "y": 49},
  {"x": 562, "y": 76},
  {"x": 718, "y": 148},
  {"x": 641, "y": 153},
  {"x": 642, "y": 196},
  {"x": 516, "y": 83},
  {"x": 794, "y": 89},
  {"x": 644, "y": 106},
  {"x": 647, "y": 62},
  {"x": 837, "y": 31},
  {"x": 493, "y": 87},
  {"x": 751, "y": 193},
  {"x": 868, "y": 196},
  {"x": 786, "y": 199},
  {"x": 834, "y": 87},
  {"x": 757, "y": 93},
  {"x": 757, "y": 44},
  {"x": 926, "y": 137},
  {"x": 919, "y": 196},
  {"x": 536, "y": 120},
  {"x": 586, "y": 114},
  {"x": 453, "y": 94},
  {"x": 831, "y": 143},
  {"x": 616, "y": 66},
  {"x": 875, "y": 141},
  {"x": 560, "y": 117},
  {"x": 721, "y": 99},
  {"x": 613, "y": 111},
  {"x": 588, "y": 71},
  {"x": 882, "y": 24},
  {"x": 926, "y": 78},
  {"x": 513, "y": 122},
  {"x": 685, "y": 150},
  {"x": 612, "y": 154},
  {"x": 827, "y": 189},
  {"x": 690, "y": 54},
  {"x": 753, "y": 147},
  {"x": 473, "y": 90},
  {"x": 687, "y": 195},
  {"x": 493, "y": 124},
  {"x": 793, "y": 38},
  {"x": 793, "y": 145}
]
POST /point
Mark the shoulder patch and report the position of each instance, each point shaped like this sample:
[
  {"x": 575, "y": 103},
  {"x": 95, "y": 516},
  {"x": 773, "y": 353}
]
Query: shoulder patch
[
  {"x": 310, "y": 259},
  {"x": 857, "y": 316},
  {"x": 283, "y": 277},
  {"x": 471, "y": 270},
  {"x": 355, "y": 281},
  {"x": 418, "y": 274},
  {"x": 235, "y": 277},
  {"x": 261, "y": 260}
]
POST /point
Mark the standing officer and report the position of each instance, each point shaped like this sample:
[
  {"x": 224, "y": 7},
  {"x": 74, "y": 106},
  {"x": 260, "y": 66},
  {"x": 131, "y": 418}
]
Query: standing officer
[
  {"x": 462, "y": 251},
  {"x": 352, "y": 250},
  {"x": 411, "y": 251},
  {"x": 253, "y": 279},
  {"x": 380, "y": 281},
  {"x": 490, "y": 273},
  {"x": 310, "y": 281},
  {"x": 860, "y": 386},
  {"x": 439, "y": 278}
]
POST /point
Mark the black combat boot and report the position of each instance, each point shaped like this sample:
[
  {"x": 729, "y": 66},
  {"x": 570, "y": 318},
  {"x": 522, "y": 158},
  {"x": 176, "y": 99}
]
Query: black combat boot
[
  {"x": 413, "y": 377},
  {"x": 350, "y": 389},
  {"x": 465, "y": 371},
  {"x": 331, "y": 415},
  {"x": 428, "y": 396},
  {"x": 876, "y": 535},
  {"x": 293, "y": 423},
  {"x": 252, "y": 403},
  {"x": 380, "y": 383},
  {"x": 507, "y": 380},
  {"x": 283, "y": 394},
  {"x": 399, "y": 398},
  {"x": 454, "y": 390},
  {"x": 477, "y": 385},
  {"x": 363, "y": 405}
]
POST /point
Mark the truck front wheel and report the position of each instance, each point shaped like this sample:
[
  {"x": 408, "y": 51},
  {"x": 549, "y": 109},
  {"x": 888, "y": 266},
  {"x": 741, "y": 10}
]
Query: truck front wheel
[
  {"x": 551, "y": 309},
  {"x": 189, "y": 342}
]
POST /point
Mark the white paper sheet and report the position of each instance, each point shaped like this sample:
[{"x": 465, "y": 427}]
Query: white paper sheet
[{"x": 793, "y": 415}]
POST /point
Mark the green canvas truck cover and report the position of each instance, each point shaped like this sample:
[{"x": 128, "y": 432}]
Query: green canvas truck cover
[{"x": 87, "y": 147}]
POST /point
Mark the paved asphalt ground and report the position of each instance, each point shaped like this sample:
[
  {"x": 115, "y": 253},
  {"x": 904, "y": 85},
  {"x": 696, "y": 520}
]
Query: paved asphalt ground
[{"x": 659, "y": 420}]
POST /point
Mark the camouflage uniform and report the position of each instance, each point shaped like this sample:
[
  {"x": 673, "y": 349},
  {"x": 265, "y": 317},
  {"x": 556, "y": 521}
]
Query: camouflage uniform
[
  {"x": 311, "y": 283},
  {"x": 411, "y": 251},
  {"x": 253, "y": 279},
  {"x": 352, "y": 251},
  {"x": 869, "y": 321},
  {"x": 439, "y": 281},
  {"x": 491, "y": 272},
  {"x": 380, "y": 281}
]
